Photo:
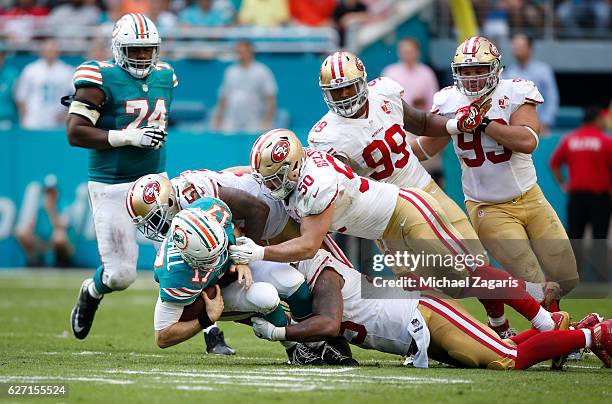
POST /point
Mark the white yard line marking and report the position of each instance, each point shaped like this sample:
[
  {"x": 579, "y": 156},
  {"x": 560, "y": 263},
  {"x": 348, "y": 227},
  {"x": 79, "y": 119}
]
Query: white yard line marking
[
  {"x": 194, "y": 388},
  {"x": 30, "y": 379}
]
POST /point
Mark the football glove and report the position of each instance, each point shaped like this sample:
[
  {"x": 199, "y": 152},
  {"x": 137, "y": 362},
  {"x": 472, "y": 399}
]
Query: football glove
[
  {"x": 147, "y": 137},
  {"x": 470, "y": 116},
  {"x": 246, "y": 251},
  {"x": 265, "y": 330}
]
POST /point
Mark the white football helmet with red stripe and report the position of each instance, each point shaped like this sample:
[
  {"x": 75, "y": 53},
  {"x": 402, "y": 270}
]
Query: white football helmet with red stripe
[
  {"x": 338, "y": 71},
  {"x": 135, "y": 31},
  {"x": 277, "y": 158},
  {"x": 476, "y": 51},
  {"x": 200, "y": 239},
  {"x": 151, "y": 203}
]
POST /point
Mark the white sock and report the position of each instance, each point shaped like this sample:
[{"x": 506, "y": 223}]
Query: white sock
[
  {"x": 535, "y": 290},
  {"x": 210, "y": 327},
  {"x": 543, "y": 321},
  {"x": 288, "y": 344},
  {"x": 93, "y": 291},
  {"x": 587, "y": 337},
  {"x": 496, "y": 322}
]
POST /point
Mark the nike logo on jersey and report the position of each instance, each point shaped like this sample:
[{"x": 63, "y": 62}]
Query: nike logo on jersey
[{"x": 314, "y": 195}]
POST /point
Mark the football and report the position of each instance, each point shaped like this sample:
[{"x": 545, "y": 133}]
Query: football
[
  {"x": 193, "y": 310},
  {"x": 211, "y": 291}
]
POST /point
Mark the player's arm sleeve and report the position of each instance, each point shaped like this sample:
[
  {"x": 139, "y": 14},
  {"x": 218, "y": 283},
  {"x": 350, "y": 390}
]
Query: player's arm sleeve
[
  {"x": 89, "y": 74},
  {"x": 391, "y": 86},
  {"x": 525, "y": 92},
  {"x": 166, "y": 314},
  {"x": 319, "y": 196}
]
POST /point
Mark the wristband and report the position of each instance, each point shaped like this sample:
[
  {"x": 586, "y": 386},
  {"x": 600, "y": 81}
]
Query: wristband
[
  {"x": 118, "y": 138},
  {"x": 279, "y": 334},
  {"x": 484, "y": 123},
  {"x": 204, "y": 320},
  {"x": 451, "y": 127}
]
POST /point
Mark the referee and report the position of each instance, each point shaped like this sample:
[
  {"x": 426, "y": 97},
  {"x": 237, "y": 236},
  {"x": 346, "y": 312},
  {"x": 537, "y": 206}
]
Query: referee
[{"x": 587, "y": 152}]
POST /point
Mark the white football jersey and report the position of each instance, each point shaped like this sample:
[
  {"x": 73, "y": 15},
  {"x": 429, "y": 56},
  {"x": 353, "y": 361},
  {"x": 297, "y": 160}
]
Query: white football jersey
[
  {"x": 376, "y": 146},
  {"x": 193, "y": 184},
  {"x": 362, "y": 207},
  {"x": 491, "y": 172},
  {"x": 387, "y": 325}
]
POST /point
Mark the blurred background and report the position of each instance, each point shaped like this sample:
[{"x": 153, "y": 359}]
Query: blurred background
[{"x": 565, "y": 46}]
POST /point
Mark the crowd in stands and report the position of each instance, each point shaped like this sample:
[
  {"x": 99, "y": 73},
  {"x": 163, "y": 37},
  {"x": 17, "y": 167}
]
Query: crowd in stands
[
  {"x": 568, "y": 18},
  {"x": 20, "y": 20}
]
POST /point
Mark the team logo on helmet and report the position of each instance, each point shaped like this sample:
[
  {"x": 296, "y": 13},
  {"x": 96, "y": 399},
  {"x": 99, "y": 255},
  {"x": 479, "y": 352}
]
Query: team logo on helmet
[
  {"x": 280, "y": 151},
  {"x": 179, "y": 237},
  {"x": 494, "y": 51},
  {"x": 359, "y": 65},
  {"x": 150, "y": 191}
]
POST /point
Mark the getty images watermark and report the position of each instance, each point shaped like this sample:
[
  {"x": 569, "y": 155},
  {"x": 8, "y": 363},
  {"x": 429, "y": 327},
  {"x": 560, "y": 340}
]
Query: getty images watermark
[{"x": 432, "y": 271}]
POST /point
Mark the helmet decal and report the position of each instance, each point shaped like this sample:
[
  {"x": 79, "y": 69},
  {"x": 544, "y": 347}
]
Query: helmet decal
[
  {"x": 179, "y": 237},
  {"x": 494, "y": 51},
  {"x": 359, "y": 65},
  {"x": 280, "y": 151},
  {"x": 150, "y": 191}
]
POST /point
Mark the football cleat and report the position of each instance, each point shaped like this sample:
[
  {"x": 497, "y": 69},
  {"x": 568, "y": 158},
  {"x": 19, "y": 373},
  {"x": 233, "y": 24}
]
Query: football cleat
[
  {"x": 504, "y": 331},
  {"x": 215, "y": 343},
  {"x": 561, "y": 319},
  {"x": 334, "y": 355},
  {"x": 601, "y": 343},
  {"x": 552, "y": 292},
  {"x": 300, "y": 354},
  {"x": 82, "y": 315},
  {"x": 590, "y": 320}
]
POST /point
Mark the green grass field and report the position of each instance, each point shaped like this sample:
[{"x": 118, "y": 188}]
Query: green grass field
[{"x": 119, "y": 362}]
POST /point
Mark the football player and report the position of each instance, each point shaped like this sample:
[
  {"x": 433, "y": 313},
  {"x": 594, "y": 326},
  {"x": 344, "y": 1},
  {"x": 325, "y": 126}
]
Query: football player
[
  {"x": 510, "y": 213},
  {"x": 364, "y": 129},
  {"x": 325, "y": 195},
  {"x": 253, "y": 212},
  {"x": 119, "y": 112},
  {"x": 193, "y": 257},
  {"x": 425, "y": 325}
]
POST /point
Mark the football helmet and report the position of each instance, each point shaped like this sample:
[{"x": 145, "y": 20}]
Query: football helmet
[
  {"x": 277, "y": 158},
  {"x": 340, "y": 70},
  {"x": 135, "y": 31},
  {"x": 476, "y": 51},
  {"x": 200, "y": 239},
  {"x": 151, "y": 203}
]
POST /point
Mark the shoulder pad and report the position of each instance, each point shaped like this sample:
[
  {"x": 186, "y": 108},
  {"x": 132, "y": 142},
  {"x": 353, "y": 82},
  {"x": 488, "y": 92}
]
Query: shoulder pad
[
  {"x": 88, "y": 74},
  {"x": 525, "y": 91}
]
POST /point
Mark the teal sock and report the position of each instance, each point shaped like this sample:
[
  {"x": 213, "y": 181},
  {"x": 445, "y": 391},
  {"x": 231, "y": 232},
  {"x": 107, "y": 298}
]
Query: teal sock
[
  {"x": 277, "y": 317},
  {"x": 100, "y": 287},
  {"x": 300, "y": 302}
]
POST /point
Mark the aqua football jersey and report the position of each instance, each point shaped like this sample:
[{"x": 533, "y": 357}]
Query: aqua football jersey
[
  {"x": 179, "y": 283},
  {"x": 130, "y": 103}
]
